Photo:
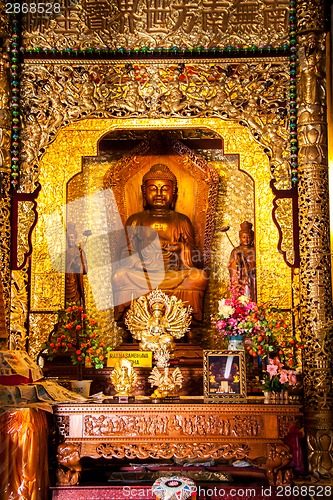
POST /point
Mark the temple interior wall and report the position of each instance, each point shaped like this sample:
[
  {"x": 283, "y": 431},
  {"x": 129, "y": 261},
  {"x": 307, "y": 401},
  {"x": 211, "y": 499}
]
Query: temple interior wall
[{"x": 253, "y": 75}]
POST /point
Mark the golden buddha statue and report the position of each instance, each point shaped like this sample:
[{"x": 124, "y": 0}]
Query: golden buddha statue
[{"x": 159, "y": 250}]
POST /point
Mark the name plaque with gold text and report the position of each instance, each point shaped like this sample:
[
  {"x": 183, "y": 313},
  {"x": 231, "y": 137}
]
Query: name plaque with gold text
[{"x": 143, "y": 359}]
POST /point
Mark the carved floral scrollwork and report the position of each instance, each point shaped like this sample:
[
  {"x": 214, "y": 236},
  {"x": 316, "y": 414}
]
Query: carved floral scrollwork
[
  {"x": 4, "y": 20},
  {"x": 5, "y": 246},
  {"x": 310, "y": 15},
  {"x": 168, "y": 450},
  {"x": 253, "y": 93},
  {"x": 5, "y": 136}
]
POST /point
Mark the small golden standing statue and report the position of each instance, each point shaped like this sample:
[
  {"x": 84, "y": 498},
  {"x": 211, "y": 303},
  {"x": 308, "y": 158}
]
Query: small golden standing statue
[
  {"x": 76, "y": 267},
  {"x": 123, "y": 377}
]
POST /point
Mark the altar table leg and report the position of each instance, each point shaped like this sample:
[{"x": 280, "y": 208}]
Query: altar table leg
[
  {"x": 69, "y": 465},
  {"x": 278, "y": 470}
]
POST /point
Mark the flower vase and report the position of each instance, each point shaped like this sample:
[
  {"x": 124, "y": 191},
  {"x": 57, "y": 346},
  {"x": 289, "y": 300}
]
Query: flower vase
[
  {"x": 236, "y": 342},
  {"x": 267, "y": 397},
  {"x": 285, "y": 397},
  {"x": 274, "y": 397},
  {"x": 279, "y": 397}
]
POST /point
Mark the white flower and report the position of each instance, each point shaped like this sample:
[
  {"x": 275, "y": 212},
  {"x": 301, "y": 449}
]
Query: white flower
[
  {"x": 224, "y": 310},
  {"x": 243, "y": 299}
]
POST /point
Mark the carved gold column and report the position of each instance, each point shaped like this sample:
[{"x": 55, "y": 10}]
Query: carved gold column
[
  {"x": 5, "y": 131},
  {"x": 315, "y": 268}
]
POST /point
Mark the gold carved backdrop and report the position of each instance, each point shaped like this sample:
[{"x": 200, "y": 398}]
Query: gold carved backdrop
[{"x": 72, "y": 160}]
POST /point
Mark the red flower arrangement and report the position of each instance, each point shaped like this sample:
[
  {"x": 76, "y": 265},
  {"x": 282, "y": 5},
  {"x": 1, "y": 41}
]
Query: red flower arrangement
[{"x": 77, "y": 334}]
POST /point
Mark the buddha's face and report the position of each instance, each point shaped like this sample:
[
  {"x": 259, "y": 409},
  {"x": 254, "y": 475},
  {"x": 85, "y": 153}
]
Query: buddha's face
[{"x": 159, "y": 193}]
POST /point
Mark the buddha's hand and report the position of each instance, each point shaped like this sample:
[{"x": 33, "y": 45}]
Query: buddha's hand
[
  {"x": 182, "y": 250},
  {"x": 172, "y": 247}
]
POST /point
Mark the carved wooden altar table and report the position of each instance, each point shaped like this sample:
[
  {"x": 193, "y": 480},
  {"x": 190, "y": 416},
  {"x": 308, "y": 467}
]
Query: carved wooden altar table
[{"x": 184, "y": 430}]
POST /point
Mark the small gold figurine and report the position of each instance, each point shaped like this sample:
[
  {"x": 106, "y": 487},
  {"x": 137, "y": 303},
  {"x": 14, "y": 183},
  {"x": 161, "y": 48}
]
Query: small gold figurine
[
  {"x": 123, "y": 377},
  {"x": 168, "y": 383},
  {"x": 162, "y": 357}
]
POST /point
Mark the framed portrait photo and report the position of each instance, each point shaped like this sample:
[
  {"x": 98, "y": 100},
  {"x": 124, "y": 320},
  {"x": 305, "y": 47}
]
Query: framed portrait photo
[{"x": 224, "y": 377}]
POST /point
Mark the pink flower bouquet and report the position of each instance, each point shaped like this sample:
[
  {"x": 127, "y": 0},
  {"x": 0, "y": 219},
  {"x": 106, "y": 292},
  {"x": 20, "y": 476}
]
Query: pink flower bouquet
[
  {"x": 278, "y": 378},
  {"x": 233, "y": 315}
]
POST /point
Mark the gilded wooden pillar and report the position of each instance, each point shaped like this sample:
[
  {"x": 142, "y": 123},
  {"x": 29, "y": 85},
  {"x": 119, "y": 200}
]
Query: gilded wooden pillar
[
  {"x": 315, "y": 267},
  {"x": 5, "y": 133}
]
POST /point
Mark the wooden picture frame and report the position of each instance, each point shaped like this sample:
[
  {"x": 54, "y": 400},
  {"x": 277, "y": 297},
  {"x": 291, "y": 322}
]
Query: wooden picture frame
[{"x": 224, "y": 376}]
